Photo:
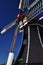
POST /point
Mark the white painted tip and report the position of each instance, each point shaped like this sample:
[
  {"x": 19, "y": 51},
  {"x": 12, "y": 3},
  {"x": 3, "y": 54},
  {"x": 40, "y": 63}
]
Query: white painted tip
[
  {"x": 20, "y": 4},
  {"x": 3, "y": 31},
  {"x": 41, "y": 18},
  {"x": 10, "y": 58}
]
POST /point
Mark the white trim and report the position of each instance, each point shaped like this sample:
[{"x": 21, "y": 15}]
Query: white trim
[
  {"x": 41, "y": 18},
  {"x": 39, "y": 37},
  {"x": 28, "y": 45}
]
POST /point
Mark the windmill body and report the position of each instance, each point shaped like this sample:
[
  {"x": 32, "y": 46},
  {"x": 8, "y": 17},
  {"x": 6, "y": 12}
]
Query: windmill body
[{"x": 24, "y": 21}]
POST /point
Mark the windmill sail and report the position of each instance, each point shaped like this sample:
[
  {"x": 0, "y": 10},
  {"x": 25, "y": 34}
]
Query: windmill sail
[{"x": 23, "y": 4}]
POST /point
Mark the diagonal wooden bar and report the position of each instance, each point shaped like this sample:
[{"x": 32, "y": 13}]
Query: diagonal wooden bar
[{"x": 14, "y": 39}]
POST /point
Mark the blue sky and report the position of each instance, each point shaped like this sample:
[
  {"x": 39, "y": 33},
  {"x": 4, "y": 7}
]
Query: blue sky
[{"x": 8, "y": 12}]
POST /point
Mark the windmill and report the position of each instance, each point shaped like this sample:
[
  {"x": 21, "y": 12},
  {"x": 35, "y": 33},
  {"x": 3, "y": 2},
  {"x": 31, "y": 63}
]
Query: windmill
[{"x": 22, "y": 21}]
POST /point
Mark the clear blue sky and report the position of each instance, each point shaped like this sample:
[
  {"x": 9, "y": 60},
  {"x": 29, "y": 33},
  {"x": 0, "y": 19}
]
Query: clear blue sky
[{"x": 8, "y": 12}]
